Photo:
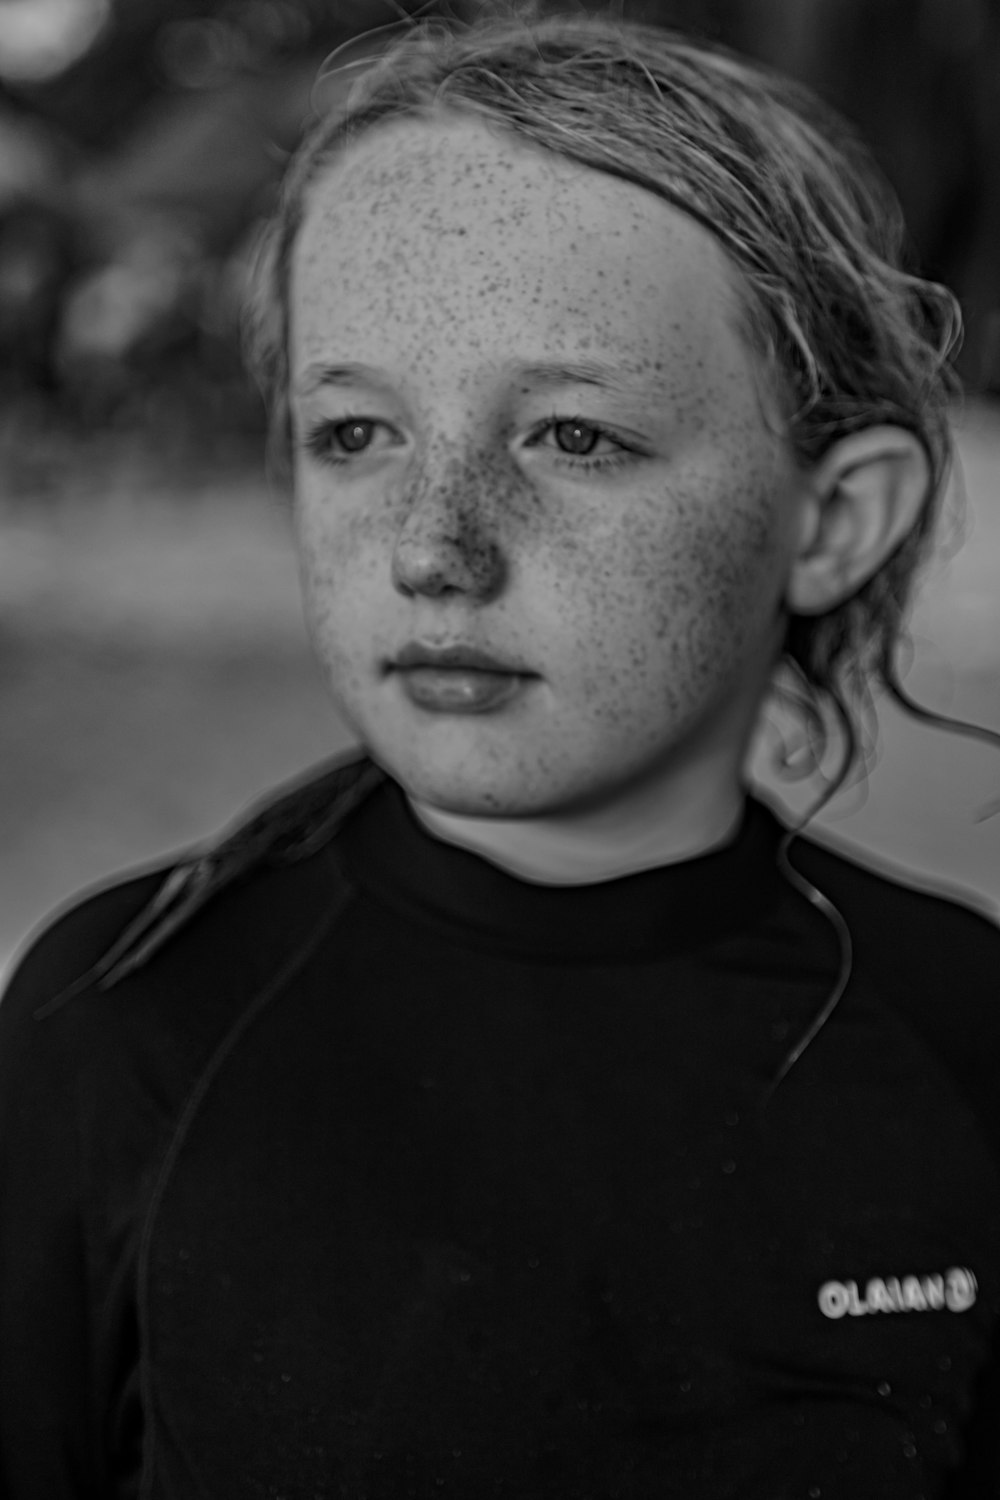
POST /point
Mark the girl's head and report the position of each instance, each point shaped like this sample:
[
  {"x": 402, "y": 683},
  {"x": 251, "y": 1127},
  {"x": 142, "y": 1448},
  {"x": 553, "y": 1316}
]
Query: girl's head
[{"x": 717, "y": 251}]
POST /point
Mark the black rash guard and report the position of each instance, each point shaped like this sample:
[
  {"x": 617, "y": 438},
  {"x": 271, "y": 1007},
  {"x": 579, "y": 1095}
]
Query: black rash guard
[{"x": 389, "y": 1174}]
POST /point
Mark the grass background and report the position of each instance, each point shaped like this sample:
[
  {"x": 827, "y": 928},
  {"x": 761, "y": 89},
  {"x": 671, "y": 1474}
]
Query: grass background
[{"x": 156, "y": 677}]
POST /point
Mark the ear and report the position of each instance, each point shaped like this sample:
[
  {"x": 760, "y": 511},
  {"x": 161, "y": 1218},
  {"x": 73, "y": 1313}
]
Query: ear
[{"x": 861, "y": 500}]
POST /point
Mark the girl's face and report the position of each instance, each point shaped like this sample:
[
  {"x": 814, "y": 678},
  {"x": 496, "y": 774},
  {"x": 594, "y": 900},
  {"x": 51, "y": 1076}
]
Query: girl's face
[{"x": 527, "y": 425}]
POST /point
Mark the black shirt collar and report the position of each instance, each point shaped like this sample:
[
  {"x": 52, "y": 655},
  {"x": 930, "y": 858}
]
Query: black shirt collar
[{"x": 470, "y": 901}]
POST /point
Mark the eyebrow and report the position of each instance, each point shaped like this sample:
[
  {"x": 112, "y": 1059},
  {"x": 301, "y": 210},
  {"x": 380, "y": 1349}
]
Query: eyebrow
[
  {"x": 317, "y": 375},
  {"x": 579, "y": 372}
]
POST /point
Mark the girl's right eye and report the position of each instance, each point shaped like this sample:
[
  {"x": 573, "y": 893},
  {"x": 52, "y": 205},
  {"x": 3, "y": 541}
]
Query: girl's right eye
[{"x": 339, "y": 442}]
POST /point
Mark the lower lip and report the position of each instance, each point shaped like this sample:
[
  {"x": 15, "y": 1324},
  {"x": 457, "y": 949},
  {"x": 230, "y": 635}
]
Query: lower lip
[{"x": 459, "y": 690}]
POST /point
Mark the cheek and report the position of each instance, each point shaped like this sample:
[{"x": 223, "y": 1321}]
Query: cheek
[
  {"x": 682, "y": 584},
  {"x": 336, "y": 542},
  {"x": 722, "y": 567},
  {"x": 338, "y": 580}
]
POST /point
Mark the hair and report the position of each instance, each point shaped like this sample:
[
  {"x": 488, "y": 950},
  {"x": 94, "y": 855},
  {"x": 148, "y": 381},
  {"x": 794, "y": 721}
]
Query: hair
[{"x": 848, "y": 334}]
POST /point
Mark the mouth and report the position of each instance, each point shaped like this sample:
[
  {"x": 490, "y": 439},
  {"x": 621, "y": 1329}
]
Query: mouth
[
  {"x": 460, "y": 658},
  {"x": 457, "y": 679}
]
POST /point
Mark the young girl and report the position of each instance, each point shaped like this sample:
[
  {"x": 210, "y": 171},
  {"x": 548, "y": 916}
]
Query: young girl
[{"x": 508, "y": 1111}]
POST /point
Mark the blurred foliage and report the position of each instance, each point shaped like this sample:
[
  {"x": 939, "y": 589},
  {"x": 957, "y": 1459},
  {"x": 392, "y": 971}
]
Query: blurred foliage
[{"x": 131, "y": 184}]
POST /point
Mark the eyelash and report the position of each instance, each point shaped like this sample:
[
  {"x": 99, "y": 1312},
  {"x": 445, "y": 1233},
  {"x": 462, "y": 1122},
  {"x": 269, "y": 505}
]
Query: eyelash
[
  {"x": 603, "y": 463},
  {"x": 319, "y": 440},
  {"x": 320, "y": 437}
]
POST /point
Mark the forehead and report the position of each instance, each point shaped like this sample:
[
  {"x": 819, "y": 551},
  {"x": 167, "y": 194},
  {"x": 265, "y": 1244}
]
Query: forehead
[{"x": 437, "y": 235}]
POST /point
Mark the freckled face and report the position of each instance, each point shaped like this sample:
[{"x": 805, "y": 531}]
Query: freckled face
[{"x": 526, "y": 422}]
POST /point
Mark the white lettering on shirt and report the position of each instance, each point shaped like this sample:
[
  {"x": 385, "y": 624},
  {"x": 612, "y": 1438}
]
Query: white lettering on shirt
[{"x": 955, "y": 1291}]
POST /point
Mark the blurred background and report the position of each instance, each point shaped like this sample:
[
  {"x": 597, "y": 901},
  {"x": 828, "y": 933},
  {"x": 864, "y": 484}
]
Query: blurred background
[{"x": 153, "y": 662}]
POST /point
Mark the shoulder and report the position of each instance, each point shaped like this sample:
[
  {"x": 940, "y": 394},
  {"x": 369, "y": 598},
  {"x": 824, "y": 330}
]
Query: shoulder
[
  {"x": 246, "y": 884},
  {"x": 95, "y": 1076},
  {"x": 169, "y": 958},
  {"x": 932, "y": 936},
  {"x": 57, "y": 962},
  {"x": 930, "y": 957},
  {"x": 92, "y": 1074},
  {"x": 71, "y": 941}
]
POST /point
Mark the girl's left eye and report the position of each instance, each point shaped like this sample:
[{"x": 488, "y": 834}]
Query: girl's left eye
[{"x": 585, "y": 444}]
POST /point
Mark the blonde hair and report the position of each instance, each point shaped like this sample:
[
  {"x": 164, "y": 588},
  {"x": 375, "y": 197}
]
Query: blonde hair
[{"x": 850, "y": 336}]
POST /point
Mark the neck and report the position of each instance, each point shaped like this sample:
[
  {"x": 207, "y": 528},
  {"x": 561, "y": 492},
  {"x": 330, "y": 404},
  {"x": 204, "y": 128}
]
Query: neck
[{"x": 649, "y": 826}]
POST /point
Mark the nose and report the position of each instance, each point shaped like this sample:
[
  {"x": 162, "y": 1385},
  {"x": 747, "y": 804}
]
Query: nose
[{"x": 447, "y": 541}]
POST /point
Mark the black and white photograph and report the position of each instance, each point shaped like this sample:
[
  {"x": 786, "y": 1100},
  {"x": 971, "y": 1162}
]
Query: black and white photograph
[{"x": 500, "y": 750}]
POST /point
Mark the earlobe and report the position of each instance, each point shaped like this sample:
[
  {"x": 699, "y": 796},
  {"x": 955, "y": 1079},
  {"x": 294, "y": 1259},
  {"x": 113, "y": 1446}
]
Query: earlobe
[{"x": 860, "y": 501}]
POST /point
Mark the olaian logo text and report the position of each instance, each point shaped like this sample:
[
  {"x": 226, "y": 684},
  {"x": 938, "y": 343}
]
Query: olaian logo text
[{"x": 954, "y": 1291}]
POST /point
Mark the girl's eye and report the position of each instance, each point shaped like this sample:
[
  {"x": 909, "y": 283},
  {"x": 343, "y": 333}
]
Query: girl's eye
[
  {"x": 581, "y": 445},
  {"x": 354, "y": 437},
  {"x": 576, "y": 437},
  {"x": 338, "y": 442},
  {"x": 577, "y": 444}
]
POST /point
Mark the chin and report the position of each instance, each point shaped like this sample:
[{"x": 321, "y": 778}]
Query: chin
[
  {"x": 463, "y": 789},
  {"x": 485, "y": 787},
  {"x": 467, "y": 798}
]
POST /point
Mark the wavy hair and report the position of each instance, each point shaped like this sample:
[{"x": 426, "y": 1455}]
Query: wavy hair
[{"x": 849, "y": 335}]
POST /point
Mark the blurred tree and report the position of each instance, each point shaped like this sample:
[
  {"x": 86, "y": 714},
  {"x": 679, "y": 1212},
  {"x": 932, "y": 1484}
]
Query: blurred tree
[
  {"x": 178, "y": 120},
  {"x": 153, "y": 48},
  {"x": 41, "y": 38}
]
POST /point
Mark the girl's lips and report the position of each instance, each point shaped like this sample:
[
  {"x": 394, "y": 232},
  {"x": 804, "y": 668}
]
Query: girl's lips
[
  {"x": 414, "y": 654},
  {"x": 462, "y": 690}
]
